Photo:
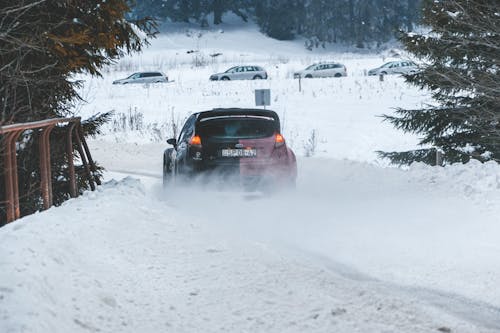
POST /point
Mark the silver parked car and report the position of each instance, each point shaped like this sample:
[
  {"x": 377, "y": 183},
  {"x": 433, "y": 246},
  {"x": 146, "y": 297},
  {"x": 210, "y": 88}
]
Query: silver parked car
[
  {"x": 395, "y": 67},
  {"x": 325, "y": 69},
  {"x": 143, "y": 77},
  {"x": 241, "y": 73}
]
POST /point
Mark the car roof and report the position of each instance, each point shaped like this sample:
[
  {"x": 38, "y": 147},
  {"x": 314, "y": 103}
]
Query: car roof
[
  {"x": 227, "y": 112},
  {"x": 325, "y": 63},
  {"x": 246, "y": 66},
  {"x": 258, "y": 67}
]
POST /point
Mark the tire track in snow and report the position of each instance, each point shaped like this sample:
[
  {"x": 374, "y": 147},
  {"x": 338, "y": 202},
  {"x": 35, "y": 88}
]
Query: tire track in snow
[
  {"x": 474, "y": 311},
  {"x": 367, "y": 182}
]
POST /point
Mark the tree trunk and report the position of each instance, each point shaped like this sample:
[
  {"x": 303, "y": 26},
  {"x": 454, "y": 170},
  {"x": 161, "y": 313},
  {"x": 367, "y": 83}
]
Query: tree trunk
[
  {"x": 184, "y": 7},
  {"x": 218, "y": 8}
]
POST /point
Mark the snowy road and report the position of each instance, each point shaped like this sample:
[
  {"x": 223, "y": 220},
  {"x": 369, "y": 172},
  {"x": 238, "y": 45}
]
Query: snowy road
[
  {"x": 336, "y": 254},
  {"x": 408, "y": 235},
  {"x": 429, "y": 228}
]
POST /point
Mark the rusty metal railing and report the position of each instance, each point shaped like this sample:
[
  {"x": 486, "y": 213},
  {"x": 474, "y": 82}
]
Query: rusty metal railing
[{"x": 11, "y": 133}]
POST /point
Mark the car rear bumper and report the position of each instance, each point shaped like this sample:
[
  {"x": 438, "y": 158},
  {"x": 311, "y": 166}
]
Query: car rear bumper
[{"x": 248, "y": 168}]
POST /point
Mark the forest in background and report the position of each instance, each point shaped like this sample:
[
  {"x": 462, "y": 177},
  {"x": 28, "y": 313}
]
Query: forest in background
[{"x": 361, "y": 23}]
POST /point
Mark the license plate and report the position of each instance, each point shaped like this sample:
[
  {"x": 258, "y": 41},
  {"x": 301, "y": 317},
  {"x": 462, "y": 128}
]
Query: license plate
[{"x": 238, "y": 152}]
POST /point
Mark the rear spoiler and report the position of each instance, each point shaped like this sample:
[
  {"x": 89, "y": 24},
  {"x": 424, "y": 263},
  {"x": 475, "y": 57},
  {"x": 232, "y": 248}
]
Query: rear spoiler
[{"x": 216, "y": 113}]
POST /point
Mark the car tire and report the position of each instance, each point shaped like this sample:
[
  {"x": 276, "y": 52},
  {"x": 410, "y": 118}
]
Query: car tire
[
  {"x": 308, "y": 76},
  {"x": 224, "y": 78},
  {"x": 168, "y": 173},
  {"x": 338, "y": 75},
  {"x": 257, "y": 77}
]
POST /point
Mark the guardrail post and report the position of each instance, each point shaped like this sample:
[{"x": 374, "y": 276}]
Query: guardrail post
[
  {"x": 45, "y": 170},
  {"x": 439, "y": 157},
  {"x": 9, "y": 186},
  {"x": 11, "y": 183},
  {"x": 71, "y": 165},
  {"x": 84, "y": 159},
  {"x": 87, "y": 152},
  {"x": 17, "y": 208}
]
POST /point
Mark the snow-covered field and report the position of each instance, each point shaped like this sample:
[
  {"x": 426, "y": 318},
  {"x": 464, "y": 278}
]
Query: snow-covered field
[
  {"x": 358, "y": 247},
  {"x": 343, "y": 115}
]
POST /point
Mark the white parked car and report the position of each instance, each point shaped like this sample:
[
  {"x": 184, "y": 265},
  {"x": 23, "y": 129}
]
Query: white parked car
[
  {"x": 395, "y": 67},
  {"x": 241, "y": 73},
  {"x": 325, "y": 69},
  {"x": 143, "y": 77}
]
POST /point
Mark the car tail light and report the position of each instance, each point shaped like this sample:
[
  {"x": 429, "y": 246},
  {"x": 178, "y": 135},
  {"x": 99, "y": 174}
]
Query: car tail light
[
  {"x": 195, "y": 140},
  {"x": 279, "y": 140}
]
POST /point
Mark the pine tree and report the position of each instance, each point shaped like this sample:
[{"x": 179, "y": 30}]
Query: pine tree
[
  {"x": 354, "y": 22},
  {"x": 158, "y": 9},
  {"x": 279, "y": 18},
  {"x": 189, "y": 10},
  {"x": 43, "y": 43},
  {"x": 462, "y": 72}
]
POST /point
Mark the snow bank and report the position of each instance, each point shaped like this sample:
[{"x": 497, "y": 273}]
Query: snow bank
[
  {"x": 475, "y": 180},
  {"x": 119, "y": 260}
]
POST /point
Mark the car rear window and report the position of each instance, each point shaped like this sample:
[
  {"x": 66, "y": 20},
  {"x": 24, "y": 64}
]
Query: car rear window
[{"x": 237, "y": 127}]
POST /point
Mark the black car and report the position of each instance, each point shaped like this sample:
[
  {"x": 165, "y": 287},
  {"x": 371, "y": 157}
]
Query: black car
[{"x": 246, "y": 143}]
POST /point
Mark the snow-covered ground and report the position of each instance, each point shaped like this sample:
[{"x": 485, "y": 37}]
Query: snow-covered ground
[
  {"x": 343, "y": 115},
  {"x": 358, "y": 247}
]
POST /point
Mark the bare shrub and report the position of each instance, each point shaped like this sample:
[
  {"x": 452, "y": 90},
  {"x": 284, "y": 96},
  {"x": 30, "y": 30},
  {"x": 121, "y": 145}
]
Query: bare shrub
[
  {"x": 129, "y": 121},
  {"x": 310, "y": 144},
  {"x": 133, "y": 121}
]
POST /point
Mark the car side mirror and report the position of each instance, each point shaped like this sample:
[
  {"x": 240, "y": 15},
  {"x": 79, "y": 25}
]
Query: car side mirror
[{"x": 172, "y": 142}]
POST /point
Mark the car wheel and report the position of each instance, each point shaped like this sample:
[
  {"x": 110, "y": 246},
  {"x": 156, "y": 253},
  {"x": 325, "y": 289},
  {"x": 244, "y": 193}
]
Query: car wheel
[
  {"x": 308, "y": 76},
  {"x": 167, "y": 168},
  {"x": 257, "y": 77},
  {"x": 224, "y": 78},
  {"x": 338, "y": 75}
]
